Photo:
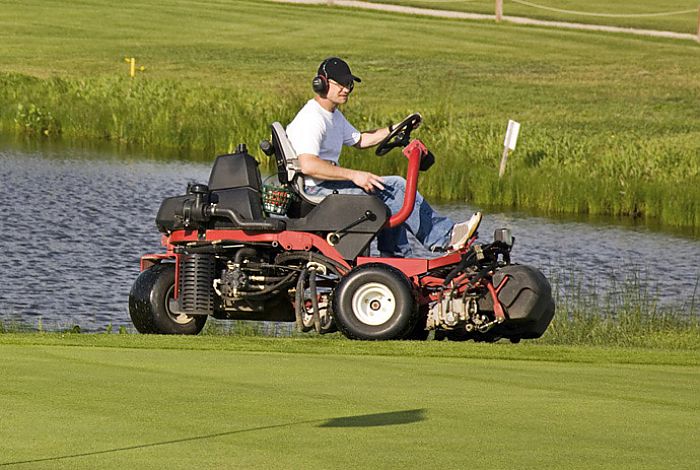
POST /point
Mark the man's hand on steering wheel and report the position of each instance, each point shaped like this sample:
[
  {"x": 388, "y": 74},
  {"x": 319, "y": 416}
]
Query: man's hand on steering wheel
[
  {"x": 399, "y": 134},
  {"x": 416, "y": 123}
]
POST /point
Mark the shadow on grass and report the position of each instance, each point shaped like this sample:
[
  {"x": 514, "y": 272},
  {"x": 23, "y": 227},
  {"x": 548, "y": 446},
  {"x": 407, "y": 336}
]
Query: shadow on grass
[{"x": 377, "y": 419}]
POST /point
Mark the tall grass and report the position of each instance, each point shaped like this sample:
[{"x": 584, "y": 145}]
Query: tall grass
[
  {"x": 568, "y": 173},
  {"x": 625, "y": 313},
  {"x": 195, "y": 121},
  {"x": 250, "y": 328}
]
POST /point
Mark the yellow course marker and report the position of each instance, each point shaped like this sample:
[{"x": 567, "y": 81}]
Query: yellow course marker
[{"x": 132, "y": 66}]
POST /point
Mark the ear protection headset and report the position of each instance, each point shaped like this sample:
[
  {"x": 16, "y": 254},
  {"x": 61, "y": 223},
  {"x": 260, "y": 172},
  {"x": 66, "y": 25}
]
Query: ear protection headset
[{"x": 320, "y": 81}]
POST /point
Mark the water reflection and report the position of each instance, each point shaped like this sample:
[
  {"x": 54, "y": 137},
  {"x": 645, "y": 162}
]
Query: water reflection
[{"x": 74, "y": 228}]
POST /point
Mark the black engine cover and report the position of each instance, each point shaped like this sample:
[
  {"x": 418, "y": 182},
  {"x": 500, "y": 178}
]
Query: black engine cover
[{"x": 234, "y": 183}]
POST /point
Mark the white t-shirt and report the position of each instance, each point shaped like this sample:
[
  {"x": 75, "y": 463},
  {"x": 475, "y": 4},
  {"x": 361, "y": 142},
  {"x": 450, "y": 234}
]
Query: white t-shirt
[{"x": 319, "y": 132}]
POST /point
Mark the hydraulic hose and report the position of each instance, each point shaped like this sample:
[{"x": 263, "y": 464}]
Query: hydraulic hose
[
  {"x": 299, "y": 300},
  {"x": 329, "y": 263},
  {"x": 286, "y": 280},
  {"x": 314, "y": 301},
  {"x": 468, "y": 259}
]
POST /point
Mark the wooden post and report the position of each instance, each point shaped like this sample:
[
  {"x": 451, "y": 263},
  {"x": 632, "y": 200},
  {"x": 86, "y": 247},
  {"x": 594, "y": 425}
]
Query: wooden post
[
  {"x": 504, "y": 159},
  {"x": 499, "y": 10}
]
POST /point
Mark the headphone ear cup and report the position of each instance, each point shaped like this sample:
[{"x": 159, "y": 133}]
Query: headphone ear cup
[{"x": 320, "y": 84}]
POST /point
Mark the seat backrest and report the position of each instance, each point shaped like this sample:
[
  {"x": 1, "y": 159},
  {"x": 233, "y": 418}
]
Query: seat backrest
[
  {"x": 285, "y": 156},
  {"x": 288, "y": 167}
]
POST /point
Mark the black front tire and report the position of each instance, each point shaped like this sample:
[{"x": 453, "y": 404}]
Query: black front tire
[
  {"x": 375, "y": 302},
  {"x": 419, "y": 333},
  {"x": 149, "y": 307}
]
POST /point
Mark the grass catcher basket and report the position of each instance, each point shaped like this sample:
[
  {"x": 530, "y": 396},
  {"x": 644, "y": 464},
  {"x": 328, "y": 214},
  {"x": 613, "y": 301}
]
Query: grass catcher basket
[{"x": 276, "y": 199}]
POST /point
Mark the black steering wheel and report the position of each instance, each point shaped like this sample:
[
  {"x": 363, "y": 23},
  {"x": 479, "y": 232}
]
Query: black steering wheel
[{"x": 400, "y": 136}]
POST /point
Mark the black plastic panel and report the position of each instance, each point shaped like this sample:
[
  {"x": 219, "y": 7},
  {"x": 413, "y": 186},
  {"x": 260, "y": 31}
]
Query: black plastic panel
[
  {"x": 237, "y": 170},
  {"x": 169, "y": 216},
  {"x": 245, "y": 201},
  {"x": 277, "y": 308},
  {"x": 337, "y": 211}
]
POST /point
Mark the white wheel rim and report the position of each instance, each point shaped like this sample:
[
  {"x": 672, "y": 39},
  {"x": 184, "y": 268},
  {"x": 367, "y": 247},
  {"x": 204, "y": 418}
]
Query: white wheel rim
[
  {"x": 179, "y": 318},
  {"x": 373, "y": 304}
]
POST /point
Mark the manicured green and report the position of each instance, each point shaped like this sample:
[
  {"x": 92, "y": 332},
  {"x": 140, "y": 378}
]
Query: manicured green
[
  {"x": 610, "y": 122},
  {"x": 645, "y": 14},
  {"x": 333, "y": 344},
  {"x": 108, "y": 401}
]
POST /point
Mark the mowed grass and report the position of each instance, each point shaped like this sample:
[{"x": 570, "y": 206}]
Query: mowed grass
[
  {"x": 610, "y": 122},
  {"x": 645, "y": 14},
  {"x": 107, "y": 401}
]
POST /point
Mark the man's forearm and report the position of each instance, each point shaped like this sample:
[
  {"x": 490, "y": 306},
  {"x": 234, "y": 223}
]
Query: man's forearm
[
  {"x": 372, "y": 138},
  {"x": 313, "y": 166}
]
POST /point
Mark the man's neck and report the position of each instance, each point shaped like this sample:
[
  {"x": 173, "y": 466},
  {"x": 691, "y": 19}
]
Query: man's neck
[{"x": 326, "y": 104}]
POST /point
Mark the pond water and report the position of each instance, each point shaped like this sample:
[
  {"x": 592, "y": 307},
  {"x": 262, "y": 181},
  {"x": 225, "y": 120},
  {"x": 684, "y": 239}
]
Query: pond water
[{"x": 75, "y": 224}]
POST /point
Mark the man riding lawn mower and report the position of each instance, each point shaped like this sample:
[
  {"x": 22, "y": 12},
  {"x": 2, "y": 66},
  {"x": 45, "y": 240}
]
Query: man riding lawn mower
[{"x": 305, "y": 258}]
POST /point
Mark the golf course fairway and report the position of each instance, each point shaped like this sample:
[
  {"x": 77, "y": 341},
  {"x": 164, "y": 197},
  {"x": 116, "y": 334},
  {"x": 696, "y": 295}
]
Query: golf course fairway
[{"x": 132, "y": 401}]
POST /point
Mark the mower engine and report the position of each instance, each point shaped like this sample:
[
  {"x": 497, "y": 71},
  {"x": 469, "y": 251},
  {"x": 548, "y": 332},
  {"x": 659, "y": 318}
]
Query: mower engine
[
  {"x": 240, "y": 280},
  {"x": 240, "y": 283},
  {"x": 234, "y": 281},
  {"x": 460, "y": 311}
]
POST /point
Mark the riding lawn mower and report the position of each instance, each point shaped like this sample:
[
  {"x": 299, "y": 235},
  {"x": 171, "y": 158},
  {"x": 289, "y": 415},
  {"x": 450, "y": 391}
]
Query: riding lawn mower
[{"x": 237, "y": 250}]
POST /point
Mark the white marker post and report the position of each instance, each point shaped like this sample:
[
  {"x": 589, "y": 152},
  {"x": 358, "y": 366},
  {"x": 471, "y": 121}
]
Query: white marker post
[{"x": 509, "y": 144}]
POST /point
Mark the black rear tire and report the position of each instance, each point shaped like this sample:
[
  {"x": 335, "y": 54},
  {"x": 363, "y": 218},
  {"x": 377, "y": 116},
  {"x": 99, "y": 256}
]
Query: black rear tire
[
  {"x": 375, "y": 302},
  {"x": 149, "y": 307}
]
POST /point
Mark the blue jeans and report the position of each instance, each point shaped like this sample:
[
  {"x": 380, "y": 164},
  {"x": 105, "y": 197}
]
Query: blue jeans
[{"x": 429, "y": 228}]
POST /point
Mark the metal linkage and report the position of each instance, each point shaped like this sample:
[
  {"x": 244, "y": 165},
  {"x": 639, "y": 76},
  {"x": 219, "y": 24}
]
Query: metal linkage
[{"x": 334, "y": 237}]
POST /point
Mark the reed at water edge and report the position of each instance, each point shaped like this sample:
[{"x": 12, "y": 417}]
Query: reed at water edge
[{"x": 566, "y": 170}]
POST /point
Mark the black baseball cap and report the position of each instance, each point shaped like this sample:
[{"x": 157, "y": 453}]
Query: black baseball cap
[{"x": 338, "y": 70}]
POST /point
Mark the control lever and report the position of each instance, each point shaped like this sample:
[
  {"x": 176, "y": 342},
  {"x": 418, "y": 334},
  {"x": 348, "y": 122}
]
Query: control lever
[{"x": 334, "y": 237}]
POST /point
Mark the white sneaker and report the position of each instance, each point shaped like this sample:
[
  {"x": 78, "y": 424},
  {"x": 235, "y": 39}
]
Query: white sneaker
[{"x": 463, "y": 231}]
